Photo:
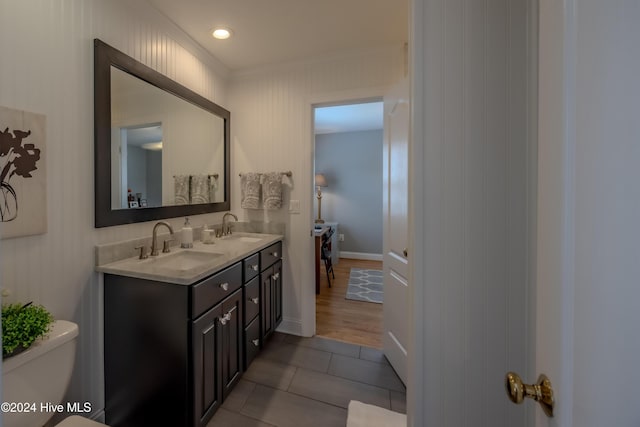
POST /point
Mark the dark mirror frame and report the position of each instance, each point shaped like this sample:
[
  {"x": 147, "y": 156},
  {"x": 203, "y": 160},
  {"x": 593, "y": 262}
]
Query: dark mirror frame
[{"x": 105, "y": 57}]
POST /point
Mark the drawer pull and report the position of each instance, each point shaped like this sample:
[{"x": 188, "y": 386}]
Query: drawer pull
[
  {"x": 256, "y": 342},
  {"x": 254, "y": 267},
  {"x": 276, "y": 276},
  {"x": 224, "y": 286},
  {"x": 254, "y": 300},
  {"x": 224, "y": 319}
]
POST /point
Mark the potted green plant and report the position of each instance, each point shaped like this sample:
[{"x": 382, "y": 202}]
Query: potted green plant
[{"x": 22, "y": 324}]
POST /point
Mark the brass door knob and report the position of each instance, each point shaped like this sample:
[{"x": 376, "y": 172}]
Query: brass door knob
[{"x": 542, "y": 392}]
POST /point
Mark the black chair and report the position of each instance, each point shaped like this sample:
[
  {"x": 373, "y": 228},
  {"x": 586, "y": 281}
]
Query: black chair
[{"x": 325, "y": 254}]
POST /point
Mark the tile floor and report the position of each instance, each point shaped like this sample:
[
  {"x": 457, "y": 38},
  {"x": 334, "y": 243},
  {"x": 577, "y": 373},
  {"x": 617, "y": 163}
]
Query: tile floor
[{"x": 309, "y": 382}]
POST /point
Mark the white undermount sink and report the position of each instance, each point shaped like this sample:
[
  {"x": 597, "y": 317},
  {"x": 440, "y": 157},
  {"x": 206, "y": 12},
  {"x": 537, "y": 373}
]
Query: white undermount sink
[
  {"x": 245, "y": 239},
  {"x": 185, "y": 260}
]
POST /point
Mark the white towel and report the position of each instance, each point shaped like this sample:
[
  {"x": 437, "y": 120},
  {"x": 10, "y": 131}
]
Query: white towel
[
  {"x": 199, "y": 189},
  {"x": 272, "y": 190},
  {"x": 181, "y": 188},
  {"x": 250, "y": 188},
  {"x": 364, "y": 415},
  {"x": 213, "y": 186}
]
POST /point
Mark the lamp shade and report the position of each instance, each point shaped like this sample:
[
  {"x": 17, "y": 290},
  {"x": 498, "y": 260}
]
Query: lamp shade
[{"x": 320, "y": 180}]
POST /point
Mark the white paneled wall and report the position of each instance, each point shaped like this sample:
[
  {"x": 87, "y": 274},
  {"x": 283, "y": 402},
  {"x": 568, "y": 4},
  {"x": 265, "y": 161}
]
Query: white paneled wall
[
  {"x": 272, "y": 131},
  {"x": 46, "y": 49}
]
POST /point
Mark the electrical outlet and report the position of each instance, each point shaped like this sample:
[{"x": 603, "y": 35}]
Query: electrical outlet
[{"x": 341, "y": 237}]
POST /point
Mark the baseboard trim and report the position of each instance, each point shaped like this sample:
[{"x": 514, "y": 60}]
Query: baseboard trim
[
  {"x": 361, "y": 255},
  {"x": 291, "y": 326}
]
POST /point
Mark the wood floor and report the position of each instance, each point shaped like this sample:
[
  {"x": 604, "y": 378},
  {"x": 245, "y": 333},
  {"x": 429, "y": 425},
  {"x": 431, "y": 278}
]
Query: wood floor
[{"x": 346, "y": 320}]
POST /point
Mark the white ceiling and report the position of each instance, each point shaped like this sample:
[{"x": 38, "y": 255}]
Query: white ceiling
[{"x": 276, "y": 31}]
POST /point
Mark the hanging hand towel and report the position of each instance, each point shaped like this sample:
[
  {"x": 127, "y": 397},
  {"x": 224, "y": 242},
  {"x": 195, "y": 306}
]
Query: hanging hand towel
[
  {"x": 250, "y": 188},
  {"x": 272, "y": 190},
  {"x": 199, "y": 189},
  {"x": 213, "y": 186},
  {"x": 181, "y": 188}
]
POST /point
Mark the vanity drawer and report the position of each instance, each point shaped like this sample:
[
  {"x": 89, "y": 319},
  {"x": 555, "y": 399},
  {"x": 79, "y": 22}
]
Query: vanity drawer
[
  {"x": 270, "y": 255},
  {"x": 251, "y": 267},
  {"x": 215, "y": 288},
  {"x": 252, "y": 342},
  {"x": 252, "y": 300}
]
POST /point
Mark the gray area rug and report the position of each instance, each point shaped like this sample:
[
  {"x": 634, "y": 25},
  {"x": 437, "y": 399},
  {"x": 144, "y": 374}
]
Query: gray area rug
[{"x": 365, "y": 285}]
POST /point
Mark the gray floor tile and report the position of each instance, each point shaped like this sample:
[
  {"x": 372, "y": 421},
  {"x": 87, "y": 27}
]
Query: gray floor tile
[
  {"x": 398, "y": 402},
  {"x": 225, "y": 418},
  {"x": 336, "y": 390},
  {"x": 325, "y": 344},
  {"x": 366, "y": 372},
  {"x": 235, "y": 401},
  {"x": 271, "y": 373},
  {"x": 278, "y": 337},
  {"x": 303, "y": 357},
  {"x": 290, "y": 410},
  {"x": 373, "y": 355}
]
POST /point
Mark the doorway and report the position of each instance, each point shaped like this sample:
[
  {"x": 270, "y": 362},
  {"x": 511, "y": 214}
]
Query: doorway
[{"x": 348, "y": 204}]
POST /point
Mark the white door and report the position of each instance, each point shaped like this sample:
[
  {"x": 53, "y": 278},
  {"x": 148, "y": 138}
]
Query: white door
[
  {"x": 395, "y": 239},
  {"x": 584, "y": 267},
  {"x": 472, "y": 211}
]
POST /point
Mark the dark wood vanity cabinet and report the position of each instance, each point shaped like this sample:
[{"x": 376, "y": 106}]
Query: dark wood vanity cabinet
[
  {"x": 217, "y": 356},
  {"x": 271, "y": 290},
  {"x": 174, "y": 352}
]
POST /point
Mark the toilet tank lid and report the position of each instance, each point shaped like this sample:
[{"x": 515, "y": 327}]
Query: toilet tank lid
[{"x": 61, "y": 332}]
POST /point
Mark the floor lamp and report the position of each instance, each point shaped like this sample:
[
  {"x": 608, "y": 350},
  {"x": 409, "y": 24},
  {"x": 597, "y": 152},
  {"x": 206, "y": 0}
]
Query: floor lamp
[{"x": 320, "y": 182}]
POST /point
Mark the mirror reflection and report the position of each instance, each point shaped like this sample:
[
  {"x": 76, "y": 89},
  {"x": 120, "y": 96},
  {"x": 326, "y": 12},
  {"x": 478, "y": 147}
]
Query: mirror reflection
[
  {"x": 165, "y": 150},
  {"x": 161, "y": 150}
]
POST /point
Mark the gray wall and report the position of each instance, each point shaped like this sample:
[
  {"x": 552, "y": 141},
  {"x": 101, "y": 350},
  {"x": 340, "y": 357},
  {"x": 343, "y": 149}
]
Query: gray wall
[
  {"x": 352, "y": 164},
  {"x": 154, "y": 181},
  {"x": 144, "y": 172}
]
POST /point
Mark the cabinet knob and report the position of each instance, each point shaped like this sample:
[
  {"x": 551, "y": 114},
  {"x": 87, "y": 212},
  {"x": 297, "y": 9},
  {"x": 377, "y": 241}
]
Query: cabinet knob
[
  {"x": 227, "y": 316},
  {"x": 276, "y": 276},
  {"x": 254, "y": 267},
  {"x": 275, "y": 254},
  {"x": 224, "y": 286},
  {"x": 254, "y": 300},
  {"x": 256, "y": 342}
]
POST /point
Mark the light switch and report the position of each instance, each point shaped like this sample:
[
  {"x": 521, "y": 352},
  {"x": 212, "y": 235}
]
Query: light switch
[{"x": 294, "y": 206}]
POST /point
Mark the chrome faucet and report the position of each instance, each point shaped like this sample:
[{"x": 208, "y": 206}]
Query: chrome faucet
[
  {"x": 225, "y": 228},
  {"x": 154, "y": 240}
]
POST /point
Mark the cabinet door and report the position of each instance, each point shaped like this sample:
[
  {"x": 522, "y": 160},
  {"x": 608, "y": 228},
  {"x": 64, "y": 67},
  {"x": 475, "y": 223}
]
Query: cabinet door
[
  {"x": 276, "y": 293},
  {"x": 207, "y": 350},
  {"x": 266, "y": 313},
  {"x": 232, "y": 330}
]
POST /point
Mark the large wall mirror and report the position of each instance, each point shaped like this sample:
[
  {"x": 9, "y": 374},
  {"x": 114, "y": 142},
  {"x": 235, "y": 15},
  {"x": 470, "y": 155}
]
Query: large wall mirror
[{"x": 161, "y": 150}]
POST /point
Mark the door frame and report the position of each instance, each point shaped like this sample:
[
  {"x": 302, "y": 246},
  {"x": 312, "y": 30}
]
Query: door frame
[{"x": 355, "y": 96}]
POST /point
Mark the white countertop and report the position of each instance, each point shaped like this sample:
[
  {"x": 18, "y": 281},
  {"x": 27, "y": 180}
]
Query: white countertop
[{"x": 225, "y": 251}]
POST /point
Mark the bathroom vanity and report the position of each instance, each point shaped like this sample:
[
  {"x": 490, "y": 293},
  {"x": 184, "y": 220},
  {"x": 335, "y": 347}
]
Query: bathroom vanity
[{"x": 182, "y": 327}]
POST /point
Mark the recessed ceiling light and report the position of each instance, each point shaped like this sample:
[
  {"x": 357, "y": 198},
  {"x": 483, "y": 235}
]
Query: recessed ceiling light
[{"x": 221, "y": 33}]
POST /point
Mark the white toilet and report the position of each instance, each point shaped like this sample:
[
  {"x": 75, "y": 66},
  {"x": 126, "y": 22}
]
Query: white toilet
[{"x": 41, "y": 374}]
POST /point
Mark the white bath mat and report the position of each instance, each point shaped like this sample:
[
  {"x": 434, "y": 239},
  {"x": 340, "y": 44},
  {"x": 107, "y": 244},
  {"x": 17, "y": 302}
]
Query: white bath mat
[{"x": 364, "y": 415}]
